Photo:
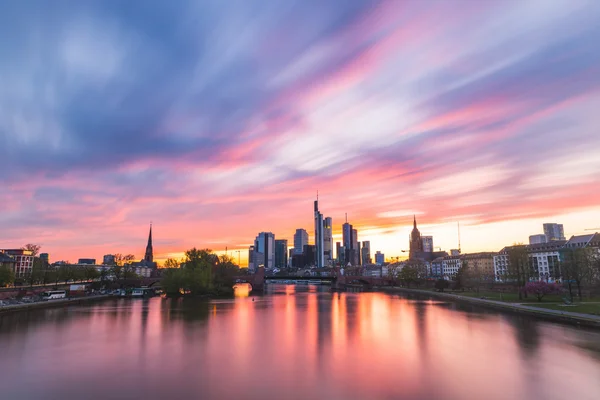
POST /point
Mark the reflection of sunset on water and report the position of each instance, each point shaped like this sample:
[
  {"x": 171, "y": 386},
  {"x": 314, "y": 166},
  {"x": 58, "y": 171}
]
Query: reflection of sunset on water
[{"x": 297, "y": 342}]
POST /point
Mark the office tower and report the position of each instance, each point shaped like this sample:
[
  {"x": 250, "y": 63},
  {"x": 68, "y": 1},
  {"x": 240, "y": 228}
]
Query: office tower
[
  {"x": 537, "y": 239},
  {"x": 427, "y": 244},
  {"x": 300, "y": 240},
  {"x": 379, "y": 258},
  {"x": 45, "y": 257},
  {"x": 339, "y": 252},
  {"x": 554, "y": 232},
  {"x": 347, "y": 241},
  {"x": 255, "y": 259},
  {"x": 281, "y": 253},
  {"x": 319, "y": 251},
  {"x": 108, "y": 259},
  {"x": 328, "y": 240},
  {"x": 355, "y": 248},
  {"x": 366, "y": 252},
  {"x": 265, "y": 245}
]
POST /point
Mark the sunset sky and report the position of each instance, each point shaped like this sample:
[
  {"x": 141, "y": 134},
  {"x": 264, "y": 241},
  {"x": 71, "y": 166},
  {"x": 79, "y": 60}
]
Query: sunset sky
[{"x": 216, "y": 120}]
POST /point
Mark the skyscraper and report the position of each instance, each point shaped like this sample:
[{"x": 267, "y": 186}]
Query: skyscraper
[
  {"x": 379, "y": 258},
  {"x": 366, "y": 252},
  {"x": 328, "y": 240},
  {"x": 281, "y": 253},
  {"x": 348, "y": 242},
  {"x": 355, "y": 248},
  {"x": 427, "y": 244},
  {"x": 319, "y": 251},
  {"x": 554, "y": 232},
  {"x": 149, "y": 256},
  {"x": 339, "y": 252},
  {"x": 300, "y": 240},
  {"x": 416, "y": 244},
  {"x": 265, "y": 245}
]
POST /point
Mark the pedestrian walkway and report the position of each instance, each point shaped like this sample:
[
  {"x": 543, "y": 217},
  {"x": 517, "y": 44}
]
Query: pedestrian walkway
[{"x": 588, "y": 319}]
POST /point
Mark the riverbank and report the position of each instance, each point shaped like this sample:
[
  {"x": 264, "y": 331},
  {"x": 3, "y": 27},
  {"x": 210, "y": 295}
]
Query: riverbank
[
  {"x": 544, "y": 313},
  {"x": 52, "y": 303}
]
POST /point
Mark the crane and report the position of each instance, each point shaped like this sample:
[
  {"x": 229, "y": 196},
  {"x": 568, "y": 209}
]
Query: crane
[{"x": 592, "y": 229}]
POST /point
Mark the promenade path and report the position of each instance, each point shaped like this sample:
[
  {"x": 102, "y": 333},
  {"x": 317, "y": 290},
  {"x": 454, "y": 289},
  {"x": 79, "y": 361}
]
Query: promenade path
[{"x": 558, "y": 315}]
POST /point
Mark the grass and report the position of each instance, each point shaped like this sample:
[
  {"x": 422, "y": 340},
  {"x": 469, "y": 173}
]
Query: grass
[
  {"x": 583, "y": 308},
  {"x": 512, "y": 297}
]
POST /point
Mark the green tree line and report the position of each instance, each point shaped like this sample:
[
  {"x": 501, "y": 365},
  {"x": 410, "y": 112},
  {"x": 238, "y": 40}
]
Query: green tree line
[{"x": 200, "y": 273}]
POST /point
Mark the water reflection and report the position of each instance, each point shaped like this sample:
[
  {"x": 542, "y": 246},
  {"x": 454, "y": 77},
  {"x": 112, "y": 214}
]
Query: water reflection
[{"x": 294, "y": 343}]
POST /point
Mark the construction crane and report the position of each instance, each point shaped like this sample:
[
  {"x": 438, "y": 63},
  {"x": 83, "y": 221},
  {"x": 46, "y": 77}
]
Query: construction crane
[{"x": 592, "y": 229}]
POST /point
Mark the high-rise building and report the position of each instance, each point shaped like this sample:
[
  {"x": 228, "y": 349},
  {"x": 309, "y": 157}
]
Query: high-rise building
[
  {"x": 265, "y": 244},
  {"x": 281, "y": 253},
  {"x": 149, "y": 256},
  {"x": 379, "y": 258},
  {"x": 348, "y": 241},
  {"x": 355, "y": 248},
  {"x": 366, "y": 252},
  {"x": 538, "y": 239},
  {"x": 328, "y": 240},
  {"x": 255, "y": 259},
  {"x": 300, "y": 240},
  {"x": 427, "y": 244},
  {"x": 554, "y": 232},
  {"x": 416, "y": 244},
  {"x": 319, "y": 250},
  {"x": 108, "y": 259},
  {"x": 339, "y": 252},
  {"x": 45, "y": 257}
]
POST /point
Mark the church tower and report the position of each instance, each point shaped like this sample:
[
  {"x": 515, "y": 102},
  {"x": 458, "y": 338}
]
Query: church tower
[
  {"x": 149, "y": 257},
  {"x": 416, "y": 244}
]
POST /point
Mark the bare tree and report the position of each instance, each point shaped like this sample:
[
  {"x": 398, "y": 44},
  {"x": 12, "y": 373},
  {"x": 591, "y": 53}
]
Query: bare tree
[
  {"x": 519, "y": 268},
  {"x": 577, "y": 267},
  {"x": 34, "y": 248}
]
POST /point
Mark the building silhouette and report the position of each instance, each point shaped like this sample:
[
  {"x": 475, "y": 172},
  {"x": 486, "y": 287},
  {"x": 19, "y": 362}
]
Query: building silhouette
[
  {"x": 149, "y": 255},
  {"x": 328, "y": 240},
  {"x": 416, "y": 244},
  {"x": 281, "y": 253},
  {"x": 554, "y": 232},
  {"x": 319, "y": 250},
  {"x": 300, "y": 240}
]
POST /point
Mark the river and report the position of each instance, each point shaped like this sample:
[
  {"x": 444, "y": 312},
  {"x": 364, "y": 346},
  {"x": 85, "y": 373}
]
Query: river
[{"x": 293, "y": 343}]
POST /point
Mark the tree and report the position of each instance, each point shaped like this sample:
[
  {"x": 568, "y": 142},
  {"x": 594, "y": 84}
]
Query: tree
[
  {"x": 577, "y": 267},
  {"x": 441, "y": 284},
  {"x": 462, "y": 277},
  {"x": 519, "y": 269},
  {"x": 121, "y": 259},
  {"x": 34, "y": 248},
  {"x": 38, "y": 271},
  {"x": 7, "y": 276},
  {"x": 409, "y": 274},
  {"x": 171, "y": 263},
  {"x": 91, "y": 273},
  {"x": 541, "y": 288},
  {"x": 66, "y": 273}
]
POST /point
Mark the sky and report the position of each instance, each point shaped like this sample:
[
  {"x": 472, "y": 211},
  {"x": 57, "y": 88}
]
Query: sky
[{"x": 216, "y": 120}]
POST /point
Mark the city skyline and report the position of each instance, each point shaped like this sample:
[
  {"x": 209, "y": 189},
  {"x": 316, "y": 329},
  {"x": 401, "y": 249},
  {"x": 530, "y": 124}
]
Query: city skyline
[{"x": 389, "y": 109}]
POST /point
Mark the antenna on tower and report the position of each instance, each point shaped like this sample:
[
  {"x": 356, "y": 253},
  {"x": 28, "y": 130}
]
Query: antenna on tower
[
  {"x": 458, "y": 222},
  {"x": 346, "y": 217}
]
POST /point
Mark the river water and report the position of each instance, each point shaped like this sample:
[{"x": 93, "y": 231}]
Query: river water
[{"x": 293, "y": 343}]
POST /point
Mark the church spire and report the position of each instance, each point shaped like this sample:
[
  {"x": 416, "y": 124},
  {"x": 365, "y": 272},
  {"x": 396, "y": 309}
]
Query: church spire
[{"x": 149, "y": 257}]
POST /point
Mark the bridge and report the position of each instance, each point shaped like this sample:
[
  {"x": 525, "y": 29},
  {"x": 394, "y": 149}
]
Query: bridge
[{"x": 338, "y": 281}]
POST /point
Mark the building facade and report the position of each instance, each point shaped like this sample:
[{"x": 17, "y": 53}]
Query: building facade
[
  {"x": 328, "y": 240},
  {"x": 544, "y": 260},
  {"x": 86, "y": 261},
  {"x": 23, "y": 261},
  {"x": 265, "y": 244},
  {"x": 483, "y": 263},
  {"x": 379, "y": 258},
  {"x": 415, "y": 242},
  {"x": 554, "y": 231},
  {"x": 427, "y": 244},
  {"x": 281, "y": 253},
  {"x": 300, "y": 240},
  {"x": 450, "y": 266},
  {"x": 319, "y": 250},
  {"x": 365, "y": 252},
  {"x": 537, "y": 239},
  {"x": 108, "y": 259}
]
